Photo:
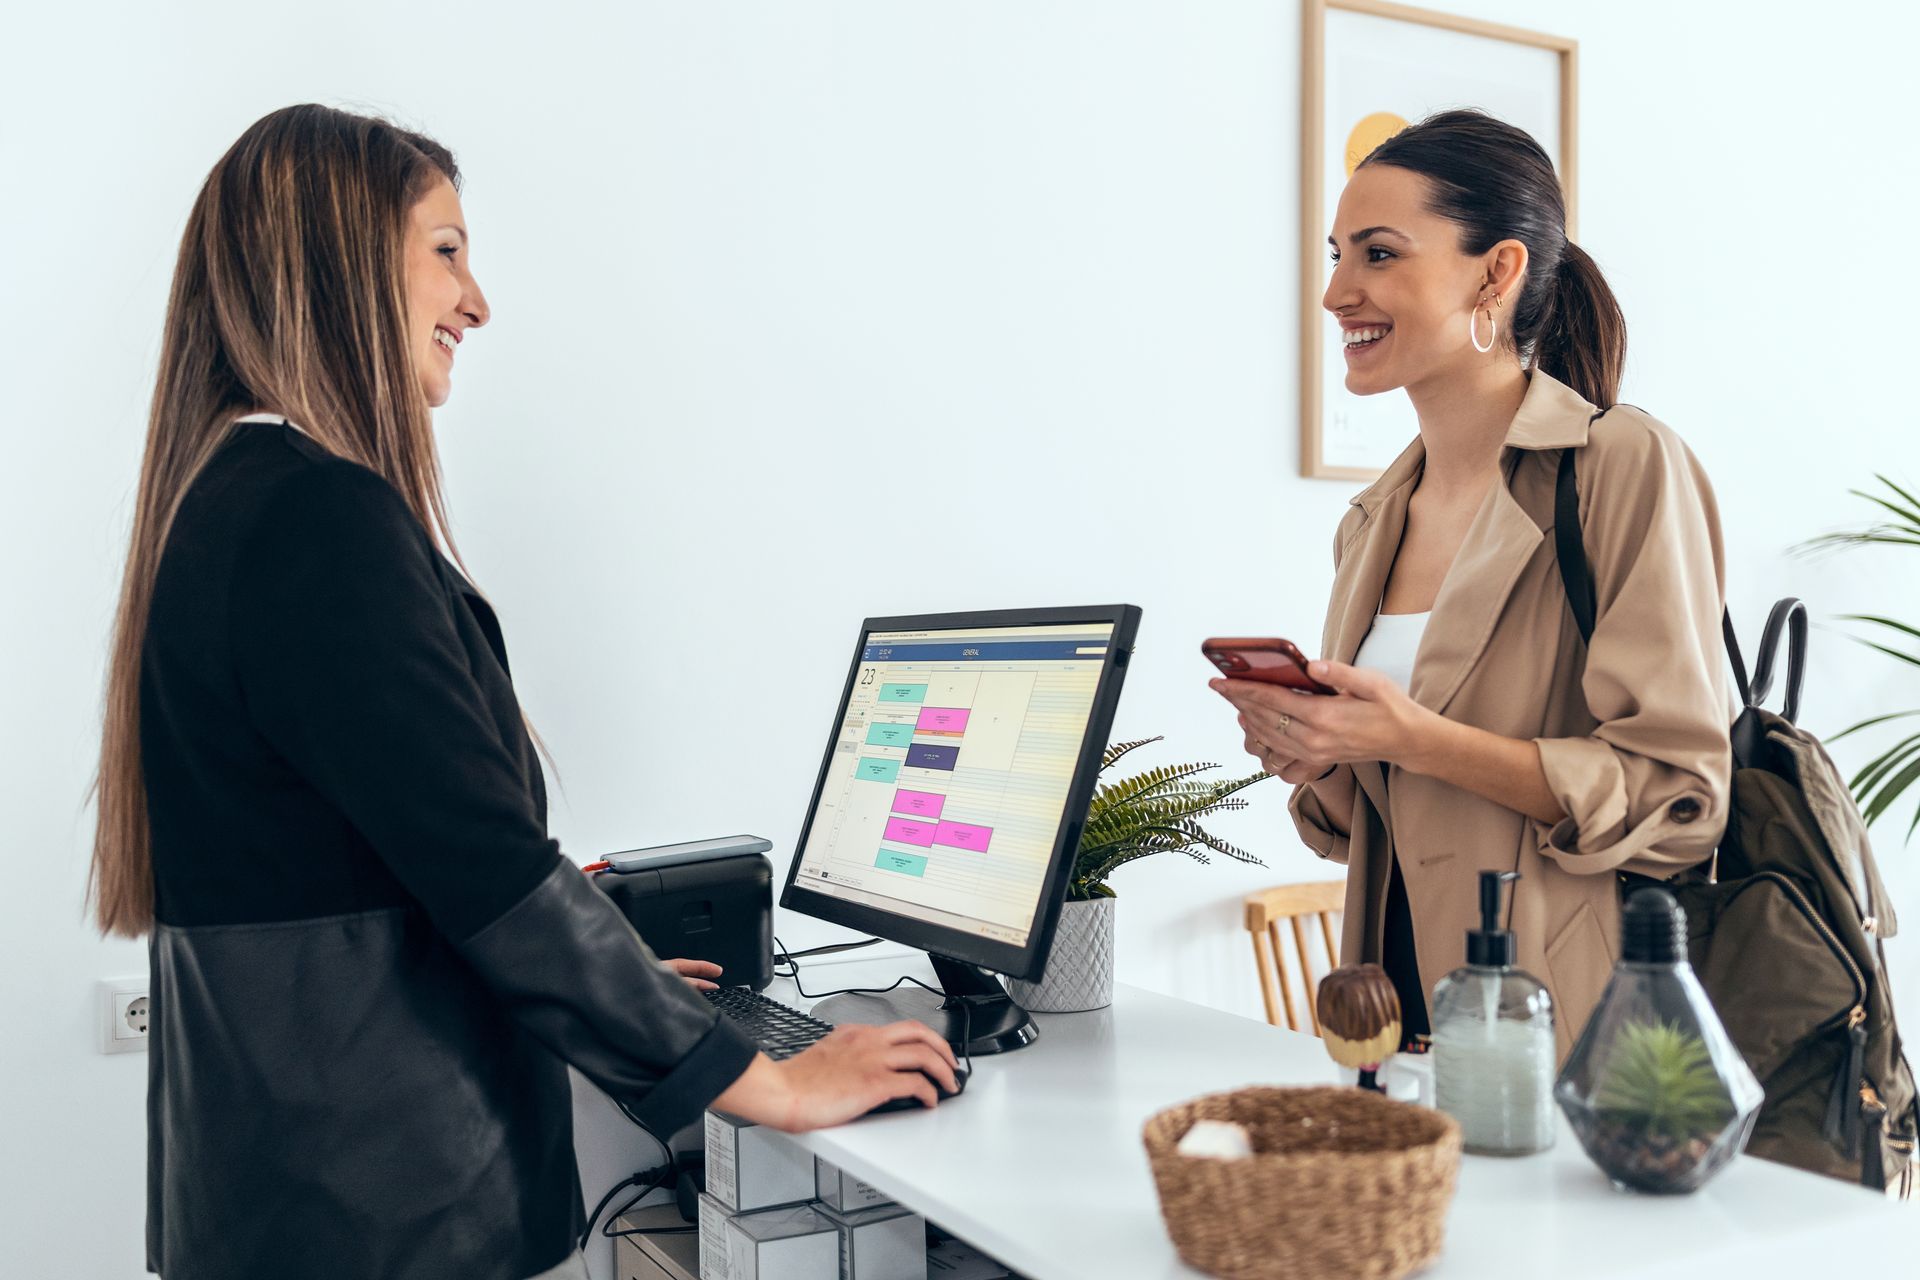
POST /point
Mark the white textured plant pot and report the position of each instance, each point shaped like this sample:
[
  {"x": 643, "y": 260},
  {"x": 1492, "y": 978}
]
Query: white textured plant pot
[{"x": 1079, "y": 968}]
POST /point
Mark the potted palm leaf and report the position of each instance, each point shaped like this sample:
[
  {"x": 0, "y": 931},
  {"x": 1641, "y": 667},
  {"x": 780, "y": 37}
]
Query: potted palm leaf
[
  {"x": 1883, "y": 780},
  {"x": 1158, "y": 811}
]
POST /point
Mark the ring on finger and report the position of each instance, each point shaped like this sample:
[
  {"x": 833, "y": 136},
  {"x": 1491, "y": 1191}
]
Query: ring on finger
[{"x": 1285, "y": 722}]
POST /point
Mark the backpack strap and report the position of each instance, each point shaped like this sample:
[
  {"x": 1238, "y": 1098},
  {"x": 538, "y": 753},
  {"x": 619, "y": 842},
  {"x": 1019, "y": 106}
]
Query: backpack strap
[
  {"x": 1575, "y": 573},
  {"x": 1577, "y": 576},
  {"x": 1733, "y": 655},
  {"x": 1791, "y": 614}
]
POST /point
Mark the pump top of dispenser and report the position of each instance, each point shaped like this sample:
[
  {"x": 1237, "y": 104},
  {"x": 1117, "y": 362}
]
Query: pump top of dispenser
[
  {"x": 1653, "y": 928},
  {"x": 1490, "y": 946}
]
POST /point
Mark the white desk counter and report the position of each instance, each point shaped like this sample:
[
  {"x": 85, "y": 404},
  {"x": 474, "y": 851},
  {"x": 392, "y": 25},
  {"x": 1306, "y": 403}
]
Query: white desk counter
[{"x": 1040, "y": 1164}]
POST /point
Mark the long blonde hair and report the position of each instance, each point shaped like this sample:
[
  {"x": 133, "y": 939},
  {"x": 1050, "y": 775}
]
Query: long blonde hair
[{"x": 289, "y": 296}]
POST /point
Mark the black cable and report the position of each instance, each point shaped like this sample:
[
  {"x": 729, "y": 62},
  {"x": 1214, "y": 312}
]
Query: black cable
[
  {"x": 655, "y": 1177},
  {"x": 791, "y": 958},
  {"x": 831, "y": 948},
  {"x": 641, "y": 1125},
  {"x": 652, "y": 1177},
  {"x": 654, "y": 1184}
]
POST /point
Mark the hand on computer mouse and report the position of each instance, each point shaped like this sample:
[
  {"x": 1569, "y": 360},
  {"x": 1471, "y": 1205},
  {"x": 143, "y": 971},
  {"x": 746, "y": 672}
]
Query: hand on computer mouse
[{"x": 847, "y": 1074}]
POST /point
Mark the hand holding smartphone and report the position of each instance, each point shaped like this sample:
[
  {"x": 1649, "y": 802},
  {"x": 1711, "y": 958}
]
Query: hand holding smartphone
[{"x": 1268, "y": 659}]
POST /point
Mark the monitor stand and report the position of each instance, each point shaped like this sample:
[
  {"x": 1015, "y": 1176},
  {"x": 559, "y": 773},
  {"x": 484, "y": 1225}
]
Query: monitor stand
[{"x": 974, "y": 1009}]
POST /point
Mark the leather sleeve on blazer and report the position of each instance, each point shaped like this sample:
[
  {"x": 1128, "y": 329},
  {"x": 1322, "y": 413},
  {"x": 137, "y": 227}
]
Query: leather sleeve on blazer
[
  {"x": 1322, "y": 810},
  {"x": 352, "y": 669},
  {"x": 1647, "y": 789}
]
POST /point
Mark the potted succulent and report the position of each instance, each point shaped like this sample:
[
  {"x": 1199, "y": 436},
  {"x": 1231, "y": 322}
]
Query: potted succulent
[
  {"x": 1158, "y": 811},
  {"x": 1661, "y": 1118}
]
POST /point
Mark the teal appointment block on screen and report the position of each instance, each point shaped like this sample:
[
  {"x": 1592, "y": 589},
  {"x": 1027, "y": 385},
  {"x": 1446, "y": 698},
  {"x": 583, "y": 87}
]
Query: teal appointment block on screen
[
  {"x": 905, "y": 863},
  {"x": 874, "y": 769},
  {"x": 889, "y": 735},
  {"x": 903, "y": 693}
]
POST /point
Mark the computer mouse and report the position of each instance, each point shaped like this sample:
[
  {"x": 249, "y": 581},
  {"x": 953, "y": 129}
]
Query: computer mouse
[{"x": 960, "y": 1074}]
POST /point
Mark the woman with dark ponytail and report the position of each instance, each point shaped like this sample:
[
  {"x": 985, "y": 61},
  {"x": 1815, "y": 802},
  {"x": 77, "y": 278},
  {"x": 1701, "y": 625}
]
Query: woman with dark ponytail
[{"x": 1471, "y": 729}]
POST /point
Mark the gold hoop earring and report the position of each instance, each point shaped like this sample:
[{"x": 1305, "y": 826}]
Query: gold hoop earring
[{"x": 1473, "y": 328}]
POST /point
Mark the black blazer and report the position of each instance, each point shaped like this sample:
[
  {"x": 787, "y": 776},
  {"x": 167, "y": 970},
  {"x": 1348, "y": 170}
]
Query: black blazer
[{"x": 369, "y": 960}]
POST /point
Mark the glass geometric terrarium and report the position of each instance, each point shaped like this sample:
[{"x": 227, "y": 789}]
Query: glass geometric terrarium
[{"x": 1657, "y": 1093}]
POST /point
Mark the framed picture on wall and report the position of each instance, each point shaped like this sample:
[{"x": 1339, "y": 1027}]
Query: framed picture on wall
[{"x": 1370, "y": 69}]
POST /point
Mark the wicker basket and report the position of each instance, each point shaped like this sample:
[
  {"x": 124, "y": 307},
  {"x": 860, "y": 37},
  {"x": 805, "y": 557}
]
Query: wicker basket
[{"x": 1342, "y": 1183}]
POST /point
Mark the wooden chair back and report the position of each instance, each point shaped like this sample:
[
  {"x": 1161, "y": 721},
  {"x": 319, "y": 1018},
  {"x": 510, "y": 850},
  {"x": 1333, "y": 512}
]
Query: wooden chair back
[{"x": 1292, "y": 903}]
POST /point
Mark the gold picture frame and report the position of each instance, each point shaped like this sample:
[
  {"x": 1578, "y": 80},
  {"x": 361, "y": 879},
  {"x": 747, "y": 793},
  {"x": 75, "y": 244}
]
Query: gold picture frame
[{"x": 1437, "y": 60}]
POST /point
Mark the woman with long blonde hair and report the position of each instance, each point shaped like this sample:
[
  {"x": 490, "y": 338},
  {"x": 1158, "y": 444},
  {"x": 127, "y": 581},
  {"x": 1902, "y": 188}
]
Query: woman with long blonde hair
[{"x": 319, "y": 797}]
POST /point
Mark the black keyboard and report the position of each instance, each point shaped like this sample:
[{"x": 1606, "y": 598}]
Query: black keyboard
[{"x": 780, "y": 1031}]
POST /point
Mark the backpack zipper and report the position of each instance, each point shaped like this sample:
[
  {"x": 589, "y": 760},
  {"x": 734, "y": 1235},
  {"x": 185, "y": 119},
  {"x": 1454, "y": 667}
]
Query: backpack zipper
[
  {"x": 1842, "y": 1127},
  {"x": 1873, "y": 1116},
  {"x": 1902, "y": 1144},
  {"x": 1844, "y": 1122}
]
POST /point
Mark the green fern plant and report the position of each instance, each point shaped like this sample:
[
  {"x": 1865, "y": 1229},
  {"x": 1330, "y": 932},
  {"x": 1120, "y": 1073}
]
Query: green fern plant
[
  {"x": 1660, "y": 1080},
  {"x": 1888, "y": 776},
  {"x": 1158, "y": 811}
]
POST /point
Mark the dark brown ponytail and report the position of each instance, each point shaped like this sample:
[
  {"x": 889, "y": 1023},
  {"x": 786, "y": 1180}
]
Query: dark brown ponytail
[
  {"x": 1497, "y": 183},
  {"x": 1582, "y": 339}
]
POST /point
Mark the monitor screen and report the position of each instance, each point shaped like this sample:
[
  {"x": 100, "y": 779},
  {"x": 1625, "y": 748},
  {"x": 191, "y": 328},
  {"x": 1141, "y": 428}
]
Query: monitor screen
[{"x": 948, "y": 780}]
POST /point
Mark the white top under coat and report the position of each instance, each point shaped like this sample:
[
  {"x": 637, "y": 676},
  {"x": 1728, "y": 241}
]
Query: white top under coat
[
  {"x": 269, "y": 419},
  {"x": 1391, "y": 645}
]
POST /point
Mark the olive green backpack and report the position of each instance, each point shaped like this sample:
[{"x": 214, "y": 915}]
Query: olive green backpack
[{"x": 1785, "y": 923}]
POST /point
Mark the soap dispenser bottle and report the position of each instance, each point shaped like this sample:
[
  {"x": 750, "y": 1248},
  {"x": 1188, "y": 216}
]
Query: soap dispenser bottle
[{"x": 1493, "y": 1049}]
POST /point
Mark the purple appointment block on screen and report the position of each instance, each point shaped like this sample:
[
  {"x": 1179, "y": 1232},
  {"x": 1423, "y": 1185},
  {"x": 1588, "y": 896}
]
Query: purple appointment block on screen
[{"x": 921, "y": 756}]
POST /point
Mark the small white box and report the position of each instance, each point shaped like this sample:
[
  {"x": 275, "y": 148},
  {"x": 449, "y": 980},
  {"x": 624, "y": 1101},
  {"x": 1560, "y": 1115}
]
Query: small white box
[
  {"x": 751, "y": 1168},
  {"x": 794, "y": 1243},
  {"x": 887, "y": 1243},
  {"x": 713, "y": 1239},
  {"x": 956, "y": 1260},
  {"x": 841, "y": 1192}
]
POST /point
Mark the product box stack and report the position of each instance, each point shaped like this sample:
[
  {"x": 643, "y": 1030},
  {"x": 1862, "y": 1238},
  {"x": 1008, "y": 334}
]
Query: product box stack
[{"x": 771, "y": 1211}]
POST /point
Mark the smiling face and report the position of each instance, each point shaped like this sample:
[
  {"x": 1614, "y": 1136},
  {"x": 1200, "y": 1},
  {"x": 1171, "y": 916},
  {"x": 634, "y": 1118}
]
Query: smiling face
[
  {"x": 443, "y": 300},
  {"x": 1402, "y": 289}
]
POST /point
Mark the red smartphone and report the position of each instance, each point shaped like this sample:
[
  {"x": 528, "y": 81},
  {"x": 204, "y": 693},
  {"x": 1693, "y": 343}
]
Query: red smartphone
[{"x": 1267, "y": 659}]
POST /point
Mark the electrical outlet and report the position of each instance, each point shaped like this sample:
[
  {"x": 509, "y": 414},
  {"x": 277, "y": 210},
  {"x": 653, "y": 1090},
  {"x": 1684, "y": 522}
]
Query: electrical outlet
[{"x": 124, "y": 1012}]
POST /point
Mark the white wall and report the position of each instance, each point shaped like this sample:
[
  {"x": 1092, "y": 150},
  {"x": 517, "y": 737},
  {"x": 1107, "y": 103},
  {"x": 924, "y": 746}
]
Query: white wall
[{"x": 757, "y": 266}]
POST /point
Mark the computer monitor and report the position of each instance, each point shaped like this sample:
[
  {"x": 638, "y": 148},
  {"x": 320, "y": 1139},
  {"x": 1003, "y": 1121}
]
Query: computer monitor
[{"x": 949, "y": 806}]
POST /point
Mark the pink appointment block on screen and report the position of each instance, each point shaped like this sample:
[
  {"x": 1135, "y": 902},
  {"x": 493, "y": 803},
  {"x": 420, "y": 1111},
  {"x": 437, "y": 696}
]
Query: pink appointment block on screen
[
  {"x": 958, "y": 835},
  {"x": 942, "y": 720},
  {"x": 907, "y": 831},
  {"x": 921, "y": 804}
]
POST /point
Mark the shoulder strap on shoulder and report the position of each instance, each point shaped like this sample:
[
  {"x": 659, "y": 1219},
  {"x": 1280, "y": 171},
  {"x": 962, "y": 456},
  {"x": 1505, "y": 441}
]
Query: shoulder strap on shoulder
[
  {"x": 1575, "y": 572},
  {"x": 1577, "y": 576}
]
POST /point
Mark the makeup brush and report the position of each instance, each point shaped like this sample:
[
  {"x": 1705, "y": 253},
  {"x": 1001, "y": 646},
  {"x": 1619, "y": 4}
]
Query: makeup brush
[{"x": 1359, "y": 1019}]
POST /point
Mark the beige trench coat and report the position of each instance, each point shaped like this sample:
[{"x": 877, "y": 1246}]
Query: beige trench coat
[{"x": 1633, "y": 734}]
